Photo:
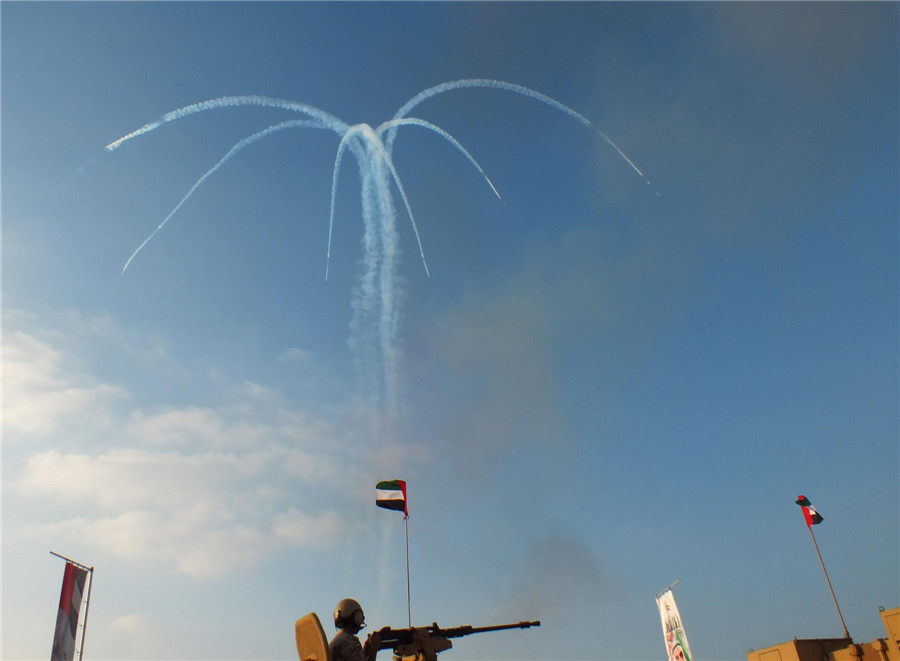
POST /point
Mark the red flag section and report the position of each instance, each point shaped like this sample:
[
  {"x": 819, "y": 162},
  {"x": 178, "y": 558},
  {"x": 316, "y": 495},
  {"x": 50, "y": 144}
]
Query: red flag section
[
  {"x": 812, "y": 516},
  {"x": 67, "y": 619}
]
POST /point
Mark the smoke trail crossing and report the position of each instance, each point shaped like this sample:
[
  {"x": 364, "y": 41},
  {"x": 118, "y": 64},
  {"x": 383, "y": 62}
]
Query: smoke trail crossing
[
  {"x": 415, "y": 121},
  {"x": 376, "y": 299},
  {"x": 407, "y": 121},
  {"x": 375, "y": 141}
]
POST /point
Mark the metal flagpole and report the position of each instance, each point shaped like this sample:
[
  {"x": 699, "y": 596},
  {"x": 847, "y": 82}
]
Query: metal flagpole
[
  {"x": 828, "y": 580},
  {"x": 87, "y": 608},
  {"x": 408, "y": 607},
  {"x": 677, "y": 581}
]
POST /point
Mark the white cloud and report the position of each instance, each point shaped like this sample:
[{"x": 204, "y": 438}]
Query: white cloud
[
  {"x": 203, "y": 514},
  {"x": 125, "y": 633},
  {"x": 40, "y": 396},
  {"x": 195, "y": 544},
  {"x": 307, "y": 465},
  {"x": 128, "y": 623},
  {"x": 177, "y": 426},
  {"x": 301, "y": 529},
  {"x": 134, "y": 477},
  {"x": 202, "y": 489}
]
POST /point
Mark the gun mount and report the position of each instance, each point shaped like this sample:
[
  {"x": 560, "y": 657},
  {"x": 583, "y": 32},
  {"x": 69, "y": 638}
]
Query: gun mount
[{"x": 424, "y": 643}]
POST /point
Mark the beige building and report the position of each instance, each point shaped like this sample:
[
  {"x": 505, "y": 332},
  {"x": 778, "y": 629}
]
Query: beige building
[{"x": 838, "y": 649}]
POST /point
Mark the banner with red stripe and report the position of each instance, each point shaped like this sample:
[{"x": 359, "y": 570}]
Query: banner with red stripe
[{"x": 70, "y": 600}]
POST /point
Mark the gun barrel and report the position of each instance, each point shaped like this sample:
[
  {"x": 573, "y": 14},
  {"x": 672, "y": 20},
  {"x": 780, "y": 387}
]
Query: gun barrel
[
  {"x": 456, "y": 632},
  {"x": 501, "y": 627}
]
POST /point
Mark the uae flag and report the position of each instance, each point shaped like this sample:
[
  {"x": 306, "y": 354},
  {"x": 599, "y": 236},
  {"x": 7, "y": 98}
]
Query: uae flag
[
  {"x": 67, "y": 618},
  {"x": 391, "y": 494},
  {"x": 812, "y": 516}
]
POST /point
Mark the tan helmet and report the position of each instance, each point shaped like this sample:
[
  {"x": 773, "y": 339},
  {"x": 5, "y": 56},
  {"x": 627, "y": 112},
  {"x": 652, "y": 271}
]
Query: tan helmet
[{"x": 348, "y": 614}]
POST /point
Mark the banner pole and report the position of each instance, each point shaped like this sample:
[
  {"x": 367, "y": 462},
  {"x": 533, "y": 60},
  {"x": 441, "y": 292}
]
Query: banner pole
[
  {"x": 828, "y": 580},
  {"x": 408, "y": 607},
  {"x": 677, "y": 581},
  {"x": 72, "y": 562},
  {"x": 87, "y": 608}
]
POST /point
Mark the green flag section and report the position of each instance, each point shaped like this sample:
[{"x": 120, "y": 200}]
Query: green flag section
[
  {"x": 391, "y": 494},
  {"x": 809, "y": 512}
]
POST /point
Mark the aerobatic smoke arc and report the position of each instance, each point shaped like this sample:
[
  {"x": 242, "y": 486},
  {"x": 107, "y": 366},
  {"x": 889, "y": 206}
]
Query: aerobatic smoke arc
[{"x": 375, "y": 326}]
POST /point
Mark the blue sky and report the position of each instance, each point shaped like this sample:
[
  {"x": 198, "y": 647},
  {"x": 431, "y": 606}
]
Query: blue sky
[{"x": 609, "y": 381}]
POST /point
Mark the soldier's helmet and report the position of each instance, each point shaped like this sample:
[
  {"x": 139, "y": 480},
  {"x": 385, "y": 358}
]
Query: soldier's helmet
[{"x": 348, "y": 614}]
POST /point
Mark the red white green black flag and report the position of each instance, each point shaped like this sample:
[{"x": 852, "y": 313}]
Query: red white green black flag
[
  {"x": 391, "y": 494},
  {"x": 809, "y": 512}
]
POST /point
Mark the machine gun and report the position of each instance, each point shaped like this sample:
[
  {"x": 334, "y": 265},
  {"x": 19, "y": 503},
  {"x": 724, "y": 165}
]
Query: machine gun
[{"x": 424, "y": 643}]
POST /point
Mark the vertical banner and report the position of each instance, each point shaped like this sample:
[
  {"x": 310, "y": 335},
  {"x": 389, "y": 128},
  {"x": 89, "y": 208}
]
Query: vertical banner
[
  {"x": 676, "y": 640},
  {"x": 67, "y": 620}
]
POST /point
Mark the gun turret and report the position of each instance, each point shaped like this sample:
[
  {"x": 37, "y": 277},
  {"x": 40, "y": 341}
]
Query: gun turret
[{"x": 424, "y": 643}]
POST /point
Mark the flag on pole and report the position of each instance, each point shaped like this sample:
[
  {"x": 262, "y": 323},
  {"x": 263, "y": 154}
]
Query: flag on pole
[
  {"x": 391, "y": 494},
  {"x": 812, "y": 516},
  {"x": 67, "y": 618},
  {"x": 677, "y": 646}
]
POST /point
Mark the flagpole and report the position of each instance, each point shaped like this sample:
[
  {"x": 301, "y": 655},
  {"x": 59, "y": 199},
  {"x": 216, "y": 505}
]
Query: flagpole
[
  {"x": 828, "y": 580},
  {"x": 72, "y": 562},
  {"x": 87, "y": 608},
  {"x": 408, "y": 607},
  {"x": 677, "y": 581},
  {"x": 391, "y": 494}
]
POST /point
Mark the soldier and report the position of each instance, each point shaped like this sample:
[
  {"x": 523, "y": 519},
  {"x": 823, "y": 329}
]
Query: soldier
[{"x": 345, "y": 646}]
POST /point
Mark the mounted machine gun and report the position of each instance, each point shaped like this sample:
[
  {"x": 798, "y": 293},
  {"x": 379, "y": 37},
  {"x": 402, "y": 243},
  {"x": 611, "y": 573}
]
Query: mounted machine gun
[
  {"x": 424, "y": 643},
  {"x": 413, "y": 644}
]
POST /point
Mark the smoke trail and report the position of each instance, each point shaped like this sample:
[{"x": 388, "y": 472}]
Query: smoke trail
[
  {"x": 334, "y": 179},
  {"x": 511, "y": 87},
  {"x": 372, "y": 139},
  {"x": 376, "y": 304},
  {"x": 407, "y": 121},
  {"x": 383, "y": 154},
  {"x": 384, "y": 266},
  {"x": 386, "y": 572},
  {"x": 364, "y": 299},
  {"x": 325, "y": 118},
  {"x": 387, "y": 279},
  {"x": 415, "y": 121},
  {"x": 297, "y": 123},
  {"x": 376, "y": 300}
]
